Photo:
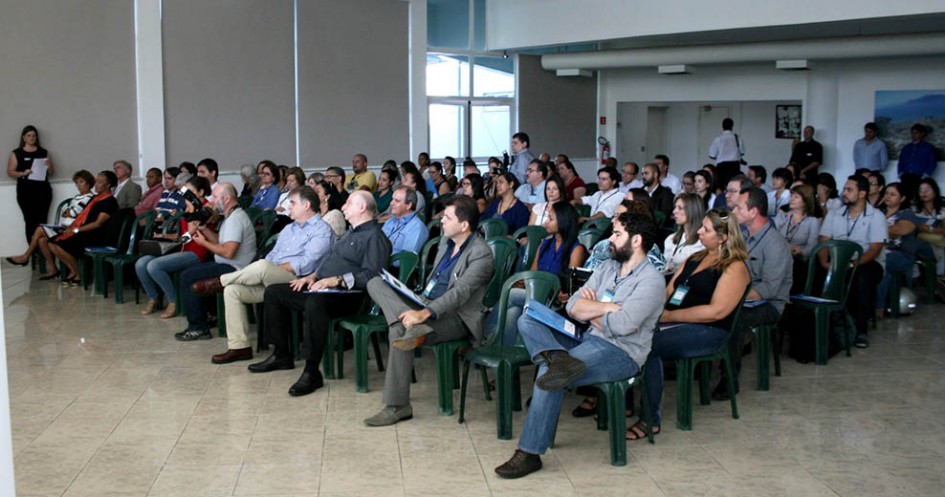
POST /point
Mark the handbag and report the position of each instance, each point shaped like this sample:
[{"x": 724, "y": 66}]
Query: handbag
[{"x": 158, "y": 247}]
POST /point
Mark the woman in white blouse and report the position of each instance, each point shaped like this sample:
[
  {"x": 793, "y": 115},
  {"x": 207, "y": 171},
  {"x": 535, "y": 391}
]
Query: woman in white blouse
[
  {"x": 554, "y": 192},
  {"x": 688, "y": 212}
]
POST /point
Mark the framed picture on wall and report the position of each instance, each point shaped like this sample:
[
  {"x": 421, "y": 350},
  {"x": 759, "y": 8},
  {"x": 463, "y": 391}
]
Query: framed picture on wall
[{"x": 787, "y": 121}]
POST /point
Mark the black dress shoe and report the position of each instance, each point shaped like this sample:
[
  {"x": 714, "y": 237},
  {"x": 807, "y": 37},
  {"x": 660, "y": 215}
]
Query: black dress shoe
[
  {"x": 272, "y": 363},
  {"x": 308, "y": 383},
  {"x": 521, "y": 464},
  {"x": 50, "y": 276},
  {"x": 11, "y": 261}
]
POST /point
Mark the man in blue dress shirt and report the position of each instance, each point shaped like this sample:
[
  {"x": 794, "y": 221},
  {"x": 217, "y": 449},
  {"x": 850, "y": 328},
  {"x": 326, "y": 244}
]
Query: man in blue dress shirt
[
  {"x": 533, "y": 190},
  {"x": 404, "y": 229},
  {"x": 917, "y": 157},
  {"x": 870, "y": 152}
]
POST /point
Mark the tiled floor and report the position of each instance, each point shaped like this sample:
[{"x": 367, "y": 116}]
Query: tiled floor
[{"x": 105, "y": 402}]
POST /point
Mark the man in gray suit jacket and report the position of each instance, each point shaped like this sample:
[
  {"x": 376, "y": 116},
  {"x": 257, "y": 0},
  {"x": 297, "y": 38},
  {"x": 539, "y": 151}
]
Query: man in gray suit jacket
[
  {"x": 461, "y": 272},
  {"x": 127, "y": 193}
]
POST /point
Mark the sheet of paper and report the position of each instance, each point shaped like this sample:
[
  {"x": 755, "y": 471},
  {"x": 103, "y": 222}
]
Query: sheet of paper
[{"x": 38, "y": 170}]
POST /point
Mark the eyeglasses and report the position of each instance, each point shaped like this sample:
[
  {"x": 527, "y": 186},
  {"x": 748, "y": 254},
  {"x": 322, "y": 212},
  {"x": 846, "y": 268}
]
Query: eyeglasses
[
  {"x": 265, "y": 173},
  {"x": 733, "y": 191}
]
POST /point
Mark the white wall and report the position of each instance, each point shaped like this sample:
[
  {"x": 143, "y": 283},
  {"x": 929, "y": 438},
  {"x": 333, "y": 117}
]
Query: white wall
[
  {"x": 838, "y": 98},
  {"x": 527, "y": 23}
]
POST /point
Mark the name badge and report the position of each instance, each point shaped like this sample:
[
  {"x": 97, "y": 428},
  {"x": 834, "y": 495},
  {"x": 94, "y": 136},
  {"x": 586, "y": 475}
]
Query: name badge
[
  {"x": 608, "y": 296},
  {"x": 679, "y": 294},
  {"x": 429, "y": 288}
]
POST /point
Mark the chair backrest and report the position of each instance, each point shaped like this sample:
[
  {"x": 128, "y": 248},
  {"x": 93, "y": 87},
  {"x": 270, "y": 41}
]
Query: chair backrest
[
  {"x": 492, "y": 228},
  {"x": 844, "y": 258},
  {"x": 583, "y": 210},
  {"x": 738, "y": 310},
  {"x": 601, "y": 224},
  {"x": 504, "y": 252},
  {"x": 144, "y": 224},
  {"x": 117, "y": 228},
  {"x": 267, "y": 219},
  {"x": 62, "y": 205},
  {"x": 408, "y": 262},
  {"x": 535, "y": 235},
  {"x": 171, "y": 223},
  {"x": 253, "y": 213},
  {"x": 660, "y": 218},
  {"x": 427, "y": 254},
  {"x": 434, "y": 226},
  {"x": 592, "y": 188},
  {"x": 245, "y": 201},
  {"x": 539, "y": 285},
  {"x": 589, "y": 237}
]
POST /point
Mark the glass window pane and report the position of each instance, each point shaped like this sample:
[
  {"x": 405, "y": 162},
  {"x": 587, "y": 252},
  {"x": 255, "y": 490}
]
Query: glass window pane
[
  {"x": 479, "y": 24},
  {"x": 491, "y": 129},
  {"x": 447, "y": 75},
  {"x": 493, "y": 77},
  {"x": 448, "y": 24},
  {"x": 447, "y": 130}
]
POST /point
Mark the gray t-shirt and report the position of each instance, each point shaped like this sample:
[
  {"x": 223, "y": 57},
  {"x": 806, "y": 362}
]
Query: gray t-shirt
[{"x": 238, "y": 228}]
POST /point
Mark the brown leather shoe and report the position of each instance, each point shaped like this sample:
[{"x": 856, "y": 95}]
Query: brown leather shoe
[
  {"x": 233, "y": 355},
  {"x": 206, "y": 288}
]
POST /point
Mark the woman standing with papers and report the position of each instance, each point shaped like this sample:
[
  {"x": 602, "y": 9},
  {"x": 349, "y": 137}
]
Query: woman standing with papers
[{"x": 27, "y": 165}]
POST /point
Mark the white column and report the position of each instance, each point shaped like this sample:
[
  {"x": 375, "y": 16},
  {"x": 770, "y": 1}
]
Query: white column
[
  {"x": 417, "y": 58},
  {"x": 7, "y": 482},
  {"x": 149, "y": 70},
  {"x": 820, "y": 111}
]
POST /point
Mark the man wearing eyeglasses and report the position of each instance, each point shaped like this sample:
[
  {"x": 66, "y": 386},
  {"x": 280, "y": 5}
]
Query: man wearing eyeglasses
[{"x": 533, "y": 191}]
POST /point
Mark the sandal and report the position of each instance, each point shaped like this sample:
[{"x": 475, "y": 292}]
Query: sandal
[
  {"x": 586, "y": 408},
  {"x": 638, "y": 431}
]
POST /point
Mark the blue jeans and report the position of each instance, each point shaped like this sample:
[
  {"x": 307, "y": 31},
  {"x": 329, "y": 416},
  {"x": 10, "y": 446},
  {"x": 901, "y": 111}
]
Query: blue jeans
[
  {"x": 516, "y": 305},
  {"x": 688, "y": 340},
  {"x": 604, "y": 361},
  {"x": 195, "y": 305},
  {"x": 155, "y": 272},
  {"x": 897, "y": 263}
]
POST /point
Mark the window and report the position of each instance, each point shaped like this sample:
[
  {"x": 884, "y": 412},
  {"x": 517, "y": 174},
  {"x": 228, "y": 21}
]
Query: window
[{"x": 470, "y": 91}]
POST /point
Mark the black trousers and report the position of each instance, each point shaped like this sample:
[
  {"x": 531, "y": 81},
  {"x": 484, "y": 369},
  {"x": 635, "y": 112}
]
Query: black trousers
[
  {"x": 34, "y": 198},
  {"x": 280, "y": 301},
  {"x": 725, "y": 171},
  {"x": 862, "y": 299},
  {"x": 765, "y": 313}
]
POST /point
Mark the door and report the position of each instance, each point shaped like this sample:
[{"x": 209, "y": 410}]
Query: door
[{"x": 656, "y": 132}]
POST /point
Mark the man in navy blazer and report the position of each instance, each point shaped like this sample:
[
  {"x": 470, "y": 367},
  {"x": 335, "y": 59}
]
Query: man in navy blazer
[{"x": 453, "y": 294}]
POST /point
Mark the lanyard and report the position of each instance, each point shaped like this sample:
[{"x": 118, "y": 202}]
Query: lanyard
[
  {"x": 758, "y": 242},
  {"x": 604, "y": 199},
  {"x": 792, "y": 227},
  {"x": 846, "y": 216}
]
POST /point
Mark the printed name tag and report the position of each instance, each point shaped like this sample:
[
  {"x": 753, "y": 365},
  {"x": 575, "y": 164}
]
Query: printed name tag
[
  {"x": 429, "y": 288},
  {"x": 608, "y": 296},
  {"x": 679, "y": 294}
]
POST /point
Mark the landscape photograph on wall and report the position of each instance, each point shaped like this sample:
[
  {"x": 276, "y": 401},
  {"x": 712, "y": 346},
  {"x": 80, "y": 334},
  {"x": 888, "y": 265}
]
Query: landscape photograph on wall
[{"x": 897, "y": 110}]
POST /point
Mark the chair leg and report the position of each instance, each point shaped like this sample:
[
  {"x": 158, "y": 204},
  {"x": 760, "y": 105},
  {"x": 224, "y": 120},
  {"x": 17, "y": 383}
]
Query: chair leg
[
  {"x": 617, "y": 423},
  {"x": 221, "y": 316},
  {"x": 645, "y": 412},
  {"x": 119, "y": 270},
  {"x": 376, "y": 346},
  {"x": 763, "y": 341},
  {"x": 485, "y": 381},
  {"x": 704, "y": 369},
  {"x": 328, "y": 358},
  {"x": 778, "y": 337},
  {"x": 895, "y": 289},
  {"x": 730, "y": 379},
  {"x": 503, "y": 405},
  {"x": 446, "y": 377},
  {"x": 260, "y": 328},
  {"x": 821, "y": 336},
  {"x": 360, "y": 359},
  {"x": 684, "y": 382},
  {"x": 462, "y": 392}
]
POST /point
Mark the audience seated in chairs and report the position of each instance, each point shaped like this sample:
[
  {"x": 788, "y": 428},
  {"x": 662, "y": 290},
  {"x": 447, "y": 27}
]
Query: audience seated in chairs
[
  {"x": 604, "y": 202},
  {"x": 779, "y": 197},
  {"x": 471, "y": 186},
  {"x": 688, "y": 211},
  {"x": 84, "y": 182},
  {"x": 170, "y": 202},
  {"x": 329, "y": 208},
  {"x": 801, "y": 228},
  {"x": 506, "y": 206},
  {"x": 554, "y": 192},
  {"x": 701, "y": 301},
  {"x": 151, "y": 197},
  {"x": 87, "y": 230},
  {"x": 267, "y": 196},
  {"x": 622, "y": 302},
  {"x": 154, "y": 272},
  {"x": 574, "y": 186},
  {"x": 901, "y": 242}
]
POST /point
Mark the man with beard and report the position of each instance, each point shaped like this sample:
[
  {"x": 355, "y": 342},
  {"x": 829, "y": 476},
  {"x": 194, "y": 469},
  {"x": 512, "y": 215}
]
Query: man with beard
[
  {"x": 233, "y": 249},
  {"x": 622, "y": 301},
  {"x": 662, "y": 196}
]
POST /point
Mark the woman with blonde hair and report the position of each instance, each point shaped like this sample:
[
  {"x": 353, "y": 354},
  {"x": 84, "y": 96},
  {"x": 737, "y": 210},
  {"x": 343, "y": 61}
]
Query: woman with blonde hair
[
  {"x": 688, "y": 211},
  {"x": 701, "y": 301}
]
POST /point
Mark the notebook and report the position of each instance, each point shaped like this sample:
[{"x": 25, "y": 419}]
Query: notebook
[
  {"x": 543, "y": 314},
  {"x": 401, "y": 288}
]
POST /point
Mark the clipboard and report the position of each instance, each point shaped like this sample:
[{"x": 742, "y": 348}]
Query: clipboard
[
  {"x": 543, "y": 314},
  {"x": 401, "y": 288}
]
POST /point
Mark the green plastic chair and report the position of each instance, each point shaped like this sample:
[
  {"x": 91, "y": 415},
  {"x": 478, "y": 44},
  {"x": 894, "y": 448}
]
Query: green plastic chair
[
  {"x": 686, "y": 369},
  {"x": 583, "y": 210},
  {"x": 927, "y": 269},
  {"x": 765, "y": 334},
  {"x": 266, "y": 219},
  {"x": 660, "y": 218},
  {"x": 120, "y": 261},
  {"x": 506, "y": 361},
  {"x": 592, "y": 188},
  {"x": 427, "y": 255},
  {"x": 434, "y": 226},
  {"x": 96, "y": 255},
  {"x": 493, "y": 228},
  {"x": 535, "y": 235},
  {"x": 611, "y": 415},
  {"x": 844, "y": 258},
  {"x": 504, "y": 252},
  {"x": 245, "y": 201},
  {"x": 366, "y": 325},
  {"x": 589, "y": 237},
  {"x": 600, "y": 224}
]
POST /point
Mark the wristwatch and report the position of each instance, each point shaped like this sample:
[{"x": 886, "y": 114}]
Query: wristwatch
[
  {"x": 341, "y": 282},
  {"x": 75, "y": 230}
]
